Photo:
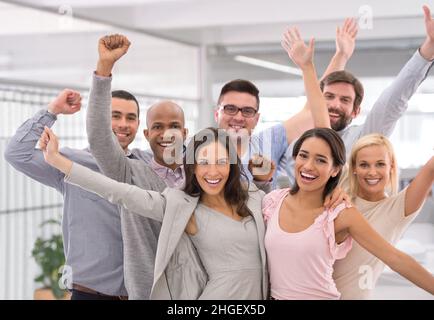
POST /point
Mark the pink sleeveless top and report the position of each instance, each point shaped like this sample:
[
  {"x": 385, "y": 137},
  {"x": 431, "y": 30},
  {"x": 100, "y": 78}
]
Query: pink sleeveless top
[{"x": 300, "y": 264}]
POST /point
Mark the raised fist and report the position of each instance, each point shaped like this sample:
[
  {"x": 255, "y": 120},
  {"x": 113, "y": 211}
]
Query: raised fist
[
  {"x": 110, "y": 48},
  {"x": 261, "y": 168},
  {"x": 67, "y": 102},
  {"x": 113, "y": 47}
]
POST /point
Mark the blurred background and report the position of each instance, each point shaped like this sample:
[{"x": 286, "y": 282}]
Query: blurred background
[{"x": 185, "y": 50}]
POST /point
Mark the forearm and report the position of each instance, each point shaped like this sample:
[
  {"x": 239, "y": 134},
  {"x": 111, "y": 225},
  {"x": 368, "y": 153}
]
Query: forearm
[
  {"x": 419, "y": 188},
  {"x": 337, "y": 63},
  {"x": 136, "y": 200},
  {"x": 104, "y": 68},
  {"x": 61, "y": 163},
  {"x": 103, "y": 144},
  {"x": 21, "y": 147},
  {"x": 430, "y": 166},
  {"x": 427, "y": 50},
  {"x": 393, "y": 101},
  {"x": 315, "y": 98},
  {"x": 413, "y": 271}
]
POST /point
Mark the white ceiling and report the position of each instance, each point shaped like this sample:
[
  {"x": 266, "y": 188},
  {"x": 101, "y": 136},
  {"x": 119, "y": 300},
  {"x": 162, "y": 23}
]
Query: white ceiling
[
  {"x": 227, "y": 28},
  {"x": 234, "y": 22}
]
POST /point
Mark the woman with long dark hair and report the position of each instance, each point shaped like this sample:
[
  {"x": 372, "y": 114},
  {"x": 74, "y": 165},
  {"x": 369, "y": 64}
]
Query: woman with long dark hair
[{"x": 211, "y": 240}]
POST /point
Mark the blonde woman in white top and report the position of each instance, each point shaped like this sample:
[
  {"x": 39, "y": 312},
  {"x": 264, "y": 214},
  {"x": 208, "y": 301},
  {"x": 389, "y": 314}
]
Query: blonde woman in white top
[{"x": 373, "y": 183}]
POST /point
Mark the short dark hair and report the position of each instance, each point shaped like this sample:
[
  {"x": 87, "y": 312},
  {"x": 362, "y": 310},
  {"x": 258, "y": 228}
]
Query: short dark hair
[
  {"x": 337, "y": 148},
  {"x": 234, "y": 191},
  {"x": 347, "y": 77},
  {"x": 240, "y": 85},
  {"x": 125, "y": 95}
]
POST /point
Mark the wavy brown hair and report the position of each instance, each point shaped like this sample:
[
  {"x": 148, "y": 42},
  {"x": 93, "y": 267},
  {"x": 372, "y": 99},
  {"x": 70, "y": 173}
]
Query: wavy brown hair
[{"x": 235, "y": 192}]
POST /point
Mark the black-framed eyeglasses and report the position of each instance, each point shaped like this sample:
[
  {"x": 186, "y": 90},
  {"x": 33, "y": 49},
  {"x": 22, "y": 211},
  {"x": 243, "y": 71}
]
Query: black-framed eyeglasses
[{"x": 231, "y": 110}]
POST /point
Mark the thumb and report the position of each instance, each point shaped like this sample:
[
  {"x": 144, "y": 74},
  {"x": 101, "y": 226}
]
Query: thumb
[{"x": 127, "y": 43}]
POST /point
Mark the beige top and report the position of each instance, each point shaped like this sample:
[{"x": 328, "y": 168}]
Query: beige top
[{"x": 357, "y": 274}]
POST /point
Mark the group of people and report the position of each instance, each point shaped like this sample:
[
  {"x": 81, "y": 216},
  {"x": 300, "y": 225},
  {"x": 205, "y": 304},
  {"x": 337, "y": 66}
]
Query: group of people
[{"x": 204, "y": 218}]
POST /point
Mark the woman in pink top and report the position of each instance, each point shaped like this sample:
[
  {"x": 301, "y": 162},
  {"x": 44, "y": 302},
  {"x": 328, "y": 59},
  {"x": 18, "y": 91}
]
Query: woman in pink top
[{"x": 303, "y": 240}]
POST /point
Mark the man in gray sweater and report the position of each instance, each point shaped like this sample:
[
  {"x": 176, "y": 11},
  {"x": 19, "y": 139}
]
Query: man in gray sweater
[{"x": 151, "y": 172}]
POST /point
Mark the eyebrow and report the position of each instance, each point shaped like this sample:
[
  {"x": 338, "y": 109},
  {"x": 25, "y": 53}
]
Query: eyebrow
[
  {"x": 128, "y": 114},
  {"x": 332, "y": 93},
  {"x": 172, "y": 122},
  {"x": 317, "y": 154},
  {"x": 218, "y": 159},
  {"x": 376, "y": 161}
]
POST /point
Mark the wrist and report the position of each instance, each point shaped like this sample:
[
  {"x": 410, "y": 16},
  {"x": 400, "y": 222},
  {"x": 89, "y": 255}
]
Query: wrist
[
  {"x": 52, "y": 109},
  {"x": 104, "y": 68},
  {"x": 427, "y": 49},
  {"x": 55, "y": 159},
  {"x": 340, "y": 58},
  {"x": 341, "y": 55},
  {"x": 262, "y": 179},
  {"x": 307, "y": 67}
]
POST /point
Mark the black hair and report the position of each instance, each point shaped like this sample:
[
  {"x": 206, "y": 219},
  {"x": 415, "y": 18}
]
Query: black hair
[
  {"x": 125, "y": 95},
  {"x": 240, "y": 85}
]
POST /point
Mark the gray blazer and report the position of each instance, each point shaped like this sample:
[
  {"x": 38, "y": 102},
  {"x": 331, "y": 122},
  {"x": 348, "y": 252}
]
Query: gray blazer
[{"x": 179, "y": 273}]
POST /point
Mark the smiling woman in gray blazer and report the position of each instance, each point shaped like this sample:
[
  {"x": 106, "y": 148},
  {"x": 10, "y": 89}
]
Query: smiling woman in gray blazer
[{"x": 211, "y": 244}]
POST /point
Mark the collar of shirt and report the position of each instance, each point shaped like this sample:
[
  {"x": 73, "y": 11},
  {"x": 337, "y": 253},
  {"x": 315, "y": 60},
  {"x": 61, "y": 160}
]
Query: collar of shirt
[{"x": 173, "y": 178}]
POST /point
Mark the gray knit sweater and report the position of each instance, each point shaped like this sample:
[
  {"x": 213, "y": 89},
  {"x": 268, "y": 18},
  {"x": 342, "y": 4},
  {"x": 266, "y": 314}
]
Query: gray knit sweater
[{"x": 139, "y": 234}]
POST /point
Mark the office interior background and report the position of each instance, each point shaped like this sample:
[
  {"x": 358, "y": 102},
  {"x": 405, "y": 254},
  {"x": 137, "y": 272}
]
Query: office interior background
[{"x": 185, "y": 50}]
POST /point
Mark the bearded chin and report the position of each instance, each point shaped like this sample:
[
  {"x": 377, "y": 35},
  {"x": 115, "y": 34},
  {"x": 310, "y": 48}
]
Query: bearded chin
[{"x": 341, "y": 124}]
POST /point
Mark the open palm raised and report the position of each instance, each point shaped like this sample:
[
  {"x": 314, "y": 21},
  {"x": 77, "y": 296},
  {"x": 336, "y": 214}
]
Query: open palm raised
[{"x": 298, "y": 51}]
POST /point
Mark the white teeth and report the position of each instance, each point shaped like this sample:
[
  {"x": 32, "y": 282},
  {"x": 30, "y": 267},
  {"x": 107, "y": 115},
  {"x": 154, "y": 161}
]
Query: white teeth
[
  {"x": 372, "y": 181},
  {"x": 213, "y": 181},
  {"x": 236, "y": 127},
  {"x": 121, "y": 134},
  {"x": 166, "y": 144},
  {"x": 306, "y": 175}
]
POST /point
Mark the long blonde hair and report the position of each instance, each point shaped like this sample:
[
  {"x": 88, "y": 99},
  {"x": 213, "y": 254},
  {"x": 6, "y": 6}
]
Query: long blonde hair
[{"x": 374, "y": 139}]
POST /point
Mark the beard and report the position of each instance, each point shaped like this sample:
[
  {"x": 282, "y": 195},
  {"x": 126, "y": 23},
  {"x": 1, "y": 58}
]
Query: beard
[{"x": 343, "y": 121}]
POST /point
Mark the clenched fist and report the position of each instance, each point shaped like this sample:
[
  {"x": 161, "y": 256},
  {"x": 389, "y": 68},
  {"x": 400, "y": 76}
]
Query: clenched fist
[
  {"x": 110, "y": 49},
  {"x": 261, "y": 168},
  {"x": 67, "y": 102}
]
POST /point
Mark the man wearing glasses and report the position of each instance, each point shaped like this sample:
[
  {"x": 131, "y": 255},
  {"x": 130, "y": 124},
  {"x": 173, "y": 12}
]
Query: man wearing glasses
[{"x": 237, "y": 112}]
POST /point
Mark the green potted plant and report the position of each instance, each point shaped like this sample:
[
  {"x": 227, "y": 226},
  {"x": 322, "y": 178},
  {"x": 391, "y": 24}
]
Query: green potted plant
[{"x": 49, "y": 255}]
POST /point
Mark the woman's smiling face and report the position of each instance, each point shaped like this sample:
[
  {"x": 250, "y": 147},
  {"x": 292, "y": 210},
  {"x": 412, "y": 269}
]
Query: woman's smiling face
[{"x": 212, "y": 168}]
